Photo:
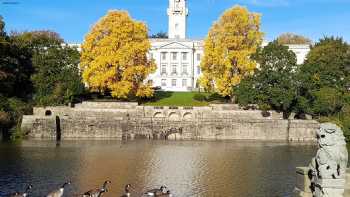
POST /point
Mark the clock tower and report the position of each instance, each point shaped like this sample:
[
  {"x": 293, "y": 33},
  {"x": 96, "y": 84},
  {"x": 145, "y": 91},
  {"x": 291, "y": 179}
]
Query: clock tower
[{"x": 177, "y": 13}]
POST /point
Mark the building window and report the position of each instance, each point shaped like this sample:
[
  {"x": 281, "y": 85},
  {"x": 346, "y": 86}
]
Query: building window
[
  {"x": 174, "y": 70},
  {"x": 184, "y": 82},
  {"x": 164, "y": 55},
  {"x": 163, "y": 82},
  {"x": 184, "y": 69},
  {"x": 173, "y": 82},
  {"x": 163, "y": 72},
  {"x": 198, "y": 70},
  {"x": 151, "y": 56},
  {"x": 184, "y": 56},
  {"x": 198, "y": 57},
  {"x": 174, "y": 54}
]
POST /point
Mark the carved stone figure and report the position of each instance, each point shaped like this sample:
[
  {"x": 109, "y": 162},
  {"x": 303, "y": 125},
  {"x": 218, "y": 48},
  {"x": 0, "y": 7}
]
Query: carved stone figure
[{"x": 328, "y": 169}]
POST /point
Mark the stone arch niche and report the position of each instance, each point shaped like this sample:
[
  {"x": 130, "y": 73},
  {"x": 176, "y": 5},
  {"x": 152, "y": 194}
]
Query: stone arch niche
[
  {"x": 158, "y": 115},
  {"x": 188, "y": 116},
  {"x": 174, "y": 116},
  {"x": 48, "y": 113}
]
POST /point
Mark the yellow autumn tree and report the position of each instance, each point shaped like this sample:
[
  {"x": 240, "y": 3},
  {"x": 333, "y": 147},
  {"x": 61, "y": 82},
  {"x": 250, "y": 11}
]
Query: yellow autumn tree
[
  {"x": 227, "y": 50},
  {"x": 114, "y": 56}
]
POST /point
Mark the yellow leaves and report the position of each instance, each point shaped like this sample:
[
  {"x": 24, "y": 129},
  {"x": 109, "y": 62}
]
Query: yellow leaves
[
  {"x": 227, "y": 49},
  {"x": 114, "y": 56}
]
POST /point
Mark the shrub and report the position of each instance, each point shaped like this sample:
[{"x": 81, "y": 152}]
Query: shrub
[{"x": 199, "y": 97}]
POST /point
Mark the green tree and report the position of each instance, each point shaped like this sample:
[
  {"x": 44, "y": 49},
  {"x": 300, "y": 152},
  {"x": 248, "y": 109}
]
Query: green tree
[
  {"x": 325, "y": 70},
  {"x": 273, "y": 84},
  {"x": 56, "y": 77},
  {"x": 327, "y": 101},
  {"x": 15, "y": 85}
]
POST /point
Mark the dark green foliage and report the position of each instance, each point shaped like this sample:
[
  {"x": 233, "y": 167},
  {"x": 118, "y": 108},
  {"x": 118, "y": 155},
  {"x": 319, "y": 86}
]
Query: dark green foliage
[
  {"x": 327, "y": 65},
  {"x": 327, "y": 101},
  {"x": 324, "y": 83},
  {"x": 159, "y": 35},
  {"x": 324, "y": 78},
  {"x": 38, "y": 40},
  {"x": 56, "y": 79},
  {"x": 273, "y": 86},
  {"x": 199, "y": 97},
  {"x": 319, "y": 87},
  {"x": 36, "y": 68}
]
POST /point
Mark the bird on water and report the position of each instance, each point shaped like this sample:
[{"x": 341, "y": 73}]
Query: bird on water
[
  {"x": 98, "y": 192},
  {"x": 167, "y": 194},
  {"x": 59, "y": 192},
  {"x": 24, "y": 194},
  {"x": 127, "y": 190},
  {"x": 156, "y": 192}
]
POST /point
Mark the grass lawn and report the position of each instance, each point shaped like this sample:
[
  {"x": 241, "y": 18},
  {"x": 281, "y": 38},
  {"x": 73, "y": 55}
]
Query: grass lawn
[{"x": 176, "y": 99}]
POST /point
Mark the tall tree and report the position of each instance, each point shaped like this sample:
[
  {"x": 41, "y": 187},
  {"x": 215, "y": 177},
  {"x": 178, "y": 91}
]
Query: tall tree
[
  {"x": 56, "y": 78},
  {"x": 325, "y": 71},
  {"x": 227, "y": 50},
  {"x": 273, "y": 85},
  {"x": 291, "y": 38},
  {"x": 114, "y": 56},
  {"x": 15, "y": 85},
  {"x": 15, "y": 67}
]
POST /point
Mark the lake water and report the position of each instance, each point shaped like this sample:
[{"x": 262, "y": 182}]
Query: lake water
[{"x": 188, "y": 168}]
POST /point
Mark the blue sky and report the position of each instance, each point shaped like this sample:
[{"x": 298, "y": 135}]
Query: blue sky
[{"x": 72, "y": 19}]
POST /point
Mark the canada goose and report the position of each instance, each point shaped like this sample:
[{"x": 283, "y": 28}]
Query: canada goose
[
  {"x": 156, "y": 192},
  {"x": 167, "y": 194},
  {"x": 59, "y": 192},
  {"x": 127, "y": 190},
  {"x": 24, "y": 194},
  {"x": 98, "y": 191}
]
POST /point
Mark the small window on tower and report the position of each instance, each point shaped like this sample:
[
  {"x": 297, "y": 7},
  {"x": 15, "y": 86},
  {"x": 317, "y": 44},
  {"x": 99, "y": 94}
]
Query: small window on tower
[{"x": 176, "y": 26}]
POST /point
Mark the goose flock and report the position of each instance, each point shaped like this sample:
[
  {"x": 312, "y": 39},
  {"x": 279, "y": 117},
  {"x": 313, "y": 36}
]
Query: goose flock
[{"x": 97, "y": 192}]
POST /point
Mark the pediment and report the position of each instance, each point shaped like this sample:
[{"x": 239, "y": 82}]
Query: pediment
[{"x": 174, "y": 45}]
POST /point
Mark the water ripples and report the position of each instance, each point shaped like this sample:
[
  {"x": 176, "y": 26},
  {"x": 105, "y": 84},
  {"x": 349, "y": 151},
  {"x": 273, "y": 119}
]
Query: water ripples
[{"x": 188, "y": 168}]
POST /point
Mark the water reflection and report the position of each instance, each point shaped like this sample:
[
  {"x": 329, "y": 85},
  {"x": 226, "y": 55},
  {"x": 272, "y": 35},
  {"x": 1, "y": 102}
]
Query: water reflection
[{"x": 188, "y": 168}]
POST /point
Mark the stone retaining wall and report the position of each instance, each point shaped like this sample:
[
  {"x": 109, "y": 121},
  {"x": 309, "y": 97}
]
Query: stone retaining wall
[{"x": 117, "y": 120}]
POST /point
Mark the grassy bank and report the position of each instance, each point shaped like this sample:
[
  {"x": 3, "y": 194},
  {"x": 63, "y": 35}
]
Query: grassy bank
[{"x": 183, "y": 99}]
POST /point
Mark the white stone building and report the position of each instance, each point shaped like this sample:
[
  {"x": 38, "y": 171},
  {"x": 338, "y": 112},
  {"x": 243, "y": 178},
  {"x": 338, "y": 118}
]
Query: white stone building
[{"x": 178, "y": 58}]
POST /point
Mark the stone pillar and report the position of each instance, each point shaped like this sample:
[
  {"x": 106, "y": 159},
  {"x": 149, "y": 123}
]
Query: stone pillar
[{"x": 302, "y": 188}]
